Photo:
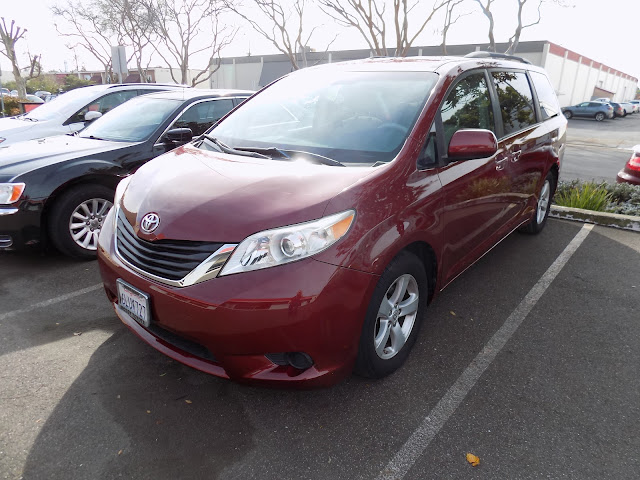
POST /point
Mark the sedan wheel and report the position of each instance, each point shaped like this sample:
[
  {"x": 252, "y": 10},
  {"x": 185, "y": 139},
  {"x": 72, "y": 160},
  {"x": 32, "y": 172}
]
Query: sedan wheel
[
  {"x": 568, "y": 114},
  {"x": 543, "y": 206},
  {"x": 599, "y": 117},
  {"x": 393, "y": 319},
  {"x": 76, "y": 219}
]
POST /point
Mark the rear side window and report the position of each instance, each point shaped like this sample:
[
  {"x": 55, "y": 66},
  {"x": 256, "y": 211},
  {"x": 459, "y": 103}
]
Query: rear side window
[
  {"x": 103, "y": 104},
  {"x": 549, "y": 106},
  {"x": 516, "y": 100},
  {"x": 468, "y": 105}
]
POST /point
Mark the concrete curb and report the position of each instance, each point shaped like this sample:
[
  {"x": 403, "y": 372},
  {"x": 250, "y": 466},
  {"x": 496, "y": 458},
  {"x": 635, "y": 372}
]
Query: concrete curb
[{"x": 615, "y": 220}]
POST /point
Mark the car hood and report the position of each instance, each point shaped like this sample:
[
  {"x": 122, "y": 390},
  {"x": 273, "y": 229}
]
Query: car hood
[
  {"x": 205, "y": 196},
  {"x": 26, "y": 156},
  {"x": 12, "y": 126}
]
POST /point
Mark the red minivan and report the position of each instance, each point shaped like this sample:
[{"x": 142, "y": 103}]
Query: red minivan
[{"x": 303, "y": 236}]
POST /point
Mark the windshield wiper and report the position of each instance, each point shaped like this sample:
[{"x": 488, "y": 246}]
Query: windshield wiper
[
  {"x": 27, "y": 119},
  {"x": 318, "y": 158},
  {"x": 226, "y": 149}
]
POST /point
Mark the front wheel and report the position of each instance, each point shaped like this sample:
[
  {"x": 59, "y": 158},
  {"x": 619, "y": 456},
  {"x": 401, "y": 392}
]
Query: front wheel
[
  {"x": 568, "y": 114},
  {"x": 76, "y": 219},
  {"x": 393, "y": 318},
  {"x": 599, "y": 117},
  {"x": 543, "y": 207}
]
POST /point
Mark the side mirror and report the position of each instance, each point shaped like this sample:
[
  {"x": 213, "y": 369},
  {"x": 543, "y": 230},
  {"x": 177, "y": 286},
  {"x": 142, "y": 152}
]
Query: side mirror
[
  {"x": 91, "y": 116},
  {"x": 472, "y": 143},
  {"x": 178, "y": 135}
]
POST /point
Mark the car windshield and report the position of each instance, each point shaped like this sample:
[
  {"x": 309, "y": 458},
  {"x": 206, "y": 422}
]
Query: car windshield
[
  {"x": 57, "y": 107},
  {"x": 351, "y": 117},
  {"x": 133, "y": 121}
]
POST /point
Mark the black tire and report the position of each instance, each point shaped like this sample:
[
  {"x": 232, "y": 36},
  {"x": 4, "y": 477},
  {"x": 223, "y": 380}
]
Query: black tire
[
  {"x": 536, "y": 225},
  {"x": 59, "y": 219},
  {"x": 567, "y": 114},
  {"x": 369, "y": 363},
  {"x": 599, "y": 117}
]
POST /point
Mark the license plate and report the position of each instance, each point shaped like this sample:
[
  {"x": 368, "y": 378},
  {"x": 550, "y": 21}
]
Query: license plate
[{"x": 134, "y": 302}]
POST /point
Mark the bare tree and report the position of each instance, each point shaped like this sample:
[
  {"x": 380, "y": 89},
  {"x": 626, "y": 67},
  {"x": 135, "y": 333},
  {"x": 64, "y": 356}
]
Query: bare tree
[
  {"x": 515, "y": 38},
  {"x": 369, "y": 18},
  {"x": 132, "y": 23},
  {"x": 89, "y": 29},
  {"x": 10, "y": 36},
  {"x": 485, "y": 6},
  {"x": 286, "y": 19},
  {"x": 177, "y": 24},
  {"x": 450, "y": 19}
]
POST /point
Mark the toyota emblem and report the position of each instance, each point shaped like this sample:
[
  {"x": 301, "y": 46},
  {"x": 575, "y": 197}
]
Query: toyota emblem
[{"x": 149, "y": 222}]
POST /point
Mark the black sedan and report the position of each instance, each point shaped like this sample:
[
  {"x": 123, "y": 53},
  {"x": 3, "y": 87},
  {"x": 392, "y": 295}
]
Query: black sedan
[{"x": 61, "y": 188}]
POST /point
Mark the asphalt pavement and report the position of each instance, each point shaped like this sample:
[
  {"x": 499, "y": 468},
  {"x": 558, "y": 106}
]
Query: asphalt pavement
[
  {"x": 528, "y": 360},
  {"x": 598, "y": 150}
]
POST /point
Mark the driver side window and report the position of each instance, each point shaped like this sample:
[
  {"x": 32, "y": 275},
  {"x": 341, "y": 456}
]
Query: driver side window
[
  {"x": 468, "y": 105},
  {"x": 102, "y": 105},
  {"x": 201, "y": 116}
]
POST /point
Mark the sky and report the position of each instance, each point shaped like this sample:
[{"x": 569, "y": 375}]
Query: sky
[{"x": 606, "y": 32}]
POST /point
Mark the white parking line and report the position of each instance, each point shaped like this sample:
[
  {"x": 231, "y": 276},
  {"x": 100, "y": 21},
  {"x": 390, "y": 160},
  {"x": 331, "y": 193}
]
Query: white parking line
[
  {"x": 420, "y": 439},
  {"x": 51, "y": 301}
]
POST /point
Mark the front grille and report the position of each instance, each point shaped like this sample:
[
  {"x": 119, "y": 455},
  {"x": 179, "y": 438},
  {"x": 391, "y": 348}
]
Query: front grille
[{"x": 170, "y": 259}]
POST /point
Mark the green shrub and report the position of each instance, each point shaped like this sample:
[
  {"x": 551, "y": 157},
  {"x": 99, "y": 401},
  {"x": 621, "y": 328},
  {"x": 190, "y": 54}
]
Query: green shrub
[
  {"x": 11, "y": 106},
  {"x": 621, "y": 198},
  {"x": 588, "y": 196}
]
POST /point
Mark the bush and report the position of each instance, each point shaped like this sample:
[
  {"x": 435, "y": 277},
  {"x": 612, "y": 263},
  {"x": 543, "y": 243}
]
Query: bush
[
  {"x": 621, "y": 198},
  {"x": 588, "y": 196},
  {"x": 11, "y": 106}
]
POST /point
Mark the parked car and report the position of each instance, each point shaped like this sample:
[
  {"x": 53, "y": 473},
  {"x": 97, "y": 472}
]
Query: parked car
[
  {"x": 72, "y": 111},
  {"x": 602, "y": 100},
  {"x": 630, "y": 173},
  {"x": 629, "y": 108},
  {"x": 4, "y": 91},
  {"x": 42, "y": 94},
  {"x": 618, "y": 111},
  {"x": 636, "y": 103},
  {"x": 14, "y": 93},
  {"x": 33, "y": 99},
  {"x": 597, "y": 110},
  {"x": 61, "y": 188},
  {"x": 307, "y": 231}
]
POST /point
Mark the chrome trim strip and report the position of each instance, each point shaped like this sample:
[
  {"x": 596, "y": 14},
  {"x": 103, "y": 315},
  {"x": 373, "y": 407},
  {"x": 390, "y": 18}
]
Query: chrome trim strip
[
  {"x": 8, "y": 211},
  {"x": 209, "y": 268}
]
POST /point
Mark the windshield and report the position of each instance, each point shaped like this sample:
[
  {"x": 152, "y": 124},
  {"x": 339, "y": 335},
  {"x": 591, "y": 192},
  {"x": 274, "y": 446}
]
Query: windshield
[
  {"x": 133, "y": 121},
  {"x": 351, "y": 117},
  {"x": 59, "y": 105}
]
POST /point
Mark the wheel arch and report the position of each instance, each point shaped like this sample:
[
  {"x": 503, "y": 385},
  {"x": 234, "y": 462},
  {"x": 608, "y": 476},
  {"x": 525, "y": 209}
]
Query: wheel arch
[{"x": 427, "y": 256}]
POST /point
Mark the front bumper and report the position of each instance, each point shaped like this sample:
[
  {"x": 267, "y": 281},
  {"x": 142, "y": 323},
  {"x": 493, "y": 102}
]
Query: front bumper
[
  {"x": 20, "y": 224},
  {"x": 225, "y": 326}
]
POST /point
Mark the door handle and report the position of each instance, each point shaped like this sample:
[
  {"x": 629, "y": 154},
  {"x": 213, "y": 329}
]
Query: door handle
[
  {"x": 515, "y": 155},
  {"x": 500, "y": 160}
]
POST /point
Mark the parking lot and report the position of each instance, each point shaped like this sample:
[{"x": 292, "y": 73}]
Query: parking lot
[
  {"x": 528, "y": 360},
  {"x": 598, "y": 150}
]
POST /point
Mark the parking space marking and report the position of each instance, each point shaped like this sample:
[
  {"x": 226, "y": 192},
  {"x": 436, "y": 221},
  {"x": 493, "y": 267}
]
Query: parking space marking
[
  {"x": 51, "y": 301},
  {"x": 420, "y": 439}
]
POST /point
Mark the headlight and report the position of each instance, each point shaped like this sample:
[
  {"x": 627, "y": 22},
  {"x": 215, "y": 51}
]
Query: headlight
[
  {"x": 288, "y": 244},
  {"x": 122, "y": 186},
  {"x": 10, "y": 192}
]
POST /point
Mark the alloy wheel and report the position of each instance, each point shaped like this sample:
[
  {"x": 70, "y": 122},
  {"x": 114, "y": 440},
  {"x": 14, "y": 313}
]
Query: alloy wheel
[
  {"x": 543, "y": 201},
  {"x": 396, "y": 316},
  {"x": 86, "y": 221}
]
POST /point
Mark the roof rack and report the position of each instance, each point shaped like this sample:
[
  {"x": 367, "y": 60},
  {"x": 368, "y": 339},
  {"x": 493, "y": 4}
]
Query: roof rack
[{"x": 504, "y": 56}]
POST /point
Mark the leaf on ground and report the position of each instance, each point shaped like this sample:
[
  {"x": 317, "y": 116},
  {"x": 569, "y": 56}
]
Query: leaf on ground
[
  {"x": 148, "y": 411},
  {"x": 473, "y": 460},
  {"x": 188, "y": 401},
  {"x": 163, "y": 374},
  {"x": 452, "y": 313},
  {"x": 120, "y": 452},
  {"x": 77, "y": 334}
]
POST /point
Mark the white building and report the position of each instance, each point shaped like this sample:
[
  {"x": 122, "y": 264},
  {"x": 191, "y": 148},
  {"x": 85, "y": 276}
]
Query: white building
[{"x": 575, "y": 77}]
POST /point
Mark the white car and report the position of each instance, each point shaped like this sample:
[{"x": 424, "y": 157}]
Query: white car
[
  {"x": 629, "y": 107},
  {"x": 72, "y": 111}
]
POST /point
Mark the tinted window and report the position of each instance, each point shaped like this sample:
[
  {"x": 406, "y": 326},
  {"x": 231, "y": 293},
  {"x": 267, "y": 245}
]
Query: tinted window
[
  {"x": 516, "y": 104},
  {"x": 468, "y": 105},
  {"x": 201, "y": 116},
  {"x": 103, "y": 104},
  {"x": 549, "y": 105}
]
